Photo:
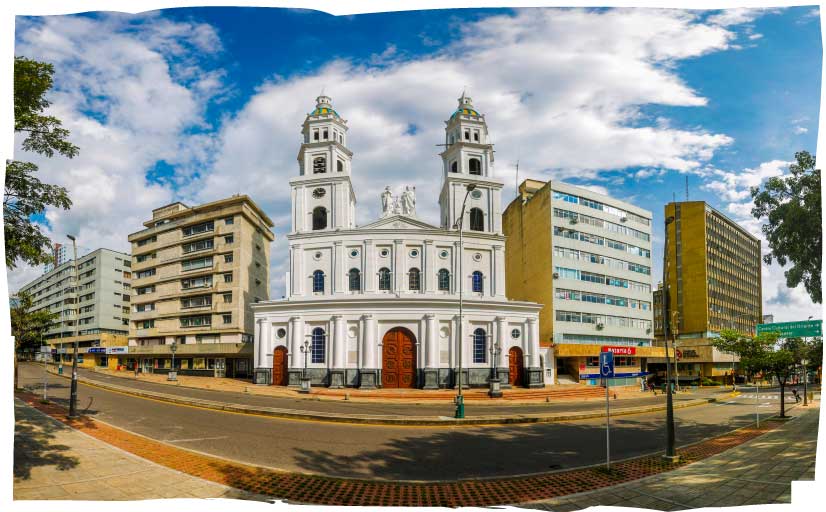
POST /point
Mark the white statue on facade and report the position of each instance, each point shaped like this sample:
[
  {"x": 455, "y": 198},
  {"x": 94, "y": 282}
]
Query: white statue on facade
[
  {"x": 388, "y": 205},
  {"x": 408, "y": 201}
]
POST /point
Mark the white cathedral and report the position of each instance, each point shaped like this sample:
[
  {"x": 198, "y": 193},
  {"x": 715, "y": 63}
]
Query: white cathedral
[{"x": 378, "y": 305}]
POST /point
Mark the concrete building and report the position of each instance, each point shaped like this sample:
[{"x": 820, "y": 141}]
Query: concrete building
[
  {"x": 586, "y": 258},
  {"x": 197, "y": 270},
  {"x": 714, "y": 280},
  {"x": 61, "y": 254},
  {"x": 94, "y": 310},
  {"x": 377, "y": 305}
]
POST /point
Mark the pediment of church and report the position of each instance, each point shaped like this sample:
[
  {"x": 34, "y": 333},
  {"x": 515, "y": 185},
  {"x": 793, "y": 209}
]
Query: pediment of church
[{"x": 399, "y": 222}]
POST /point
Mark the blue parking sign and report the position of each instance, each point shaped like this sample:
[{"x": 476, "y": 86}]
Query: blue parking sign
[{"x": 606, "y": 364}]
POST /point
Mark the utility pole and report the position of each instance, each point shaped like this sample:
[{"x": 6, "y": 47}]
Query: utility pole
[
  {"x": 670, "y": 452},
  {"x": 73, "y": 391}
]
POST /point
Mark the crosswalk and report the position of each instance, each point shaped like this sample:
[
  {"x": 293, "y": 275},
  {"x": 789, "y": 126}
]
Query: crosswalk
[{"x": 752, "y": 396}]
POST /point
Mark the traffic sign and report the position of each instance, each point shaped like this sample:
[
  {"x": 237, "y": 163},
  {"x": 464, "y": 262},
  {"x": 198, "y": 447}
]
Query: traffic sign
[
  {"x": 793, "y": 329},
  {"x": 606, "y": 364}
]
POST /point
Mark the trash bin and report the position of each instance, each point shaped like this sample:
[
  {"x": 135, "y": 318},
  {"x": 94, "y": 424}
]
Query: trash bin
[{"x": 60, "y": 370}]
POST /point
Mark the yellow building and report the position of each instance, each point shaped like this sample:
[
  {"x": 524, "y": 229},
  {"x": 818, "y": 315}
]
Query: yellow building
[
  {"x": 100, "y": 350},
  {"x": 586, "y": 258},
  {"x": 196, "y": 272},
  {"x": 714, "y": 282}
]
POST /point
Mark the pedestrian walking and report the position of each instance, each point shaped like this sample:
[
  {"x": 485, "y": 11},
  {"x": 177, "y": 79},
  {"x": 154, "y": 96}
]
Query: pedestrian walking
[{"x": 796, "y": 395}]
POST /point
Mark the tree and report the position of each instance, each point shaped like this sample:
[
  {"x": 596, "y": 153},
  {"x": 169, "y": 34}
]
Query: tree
[
  {"x": 791, "y": 204},
  {"x": 764, "y": 354},
  {"x": 25, "y": 195},
  {"x": 28, "y": 326}
]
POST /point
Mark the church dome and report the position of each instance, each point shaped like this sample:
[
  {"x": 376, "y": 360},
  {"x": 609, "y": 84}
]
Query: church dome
[
  {"x": 324, "y": 107},
  {"x": 465, "y": 107}
]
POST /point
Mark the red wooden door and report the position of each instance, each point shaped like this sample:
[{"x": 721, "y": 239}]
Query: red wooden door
[
  {"x": 516, "y": 365},
  {"x": 279, "y": 367},
  {"x": 398, "y": 360}
]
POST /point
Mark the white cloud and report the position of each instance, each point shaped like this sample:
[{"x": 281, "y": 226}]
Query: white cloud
[
  {"x": 562, "y": 90},
  {"x": 800, "y": 129},
  {"x": 736, "y": 16},
  {"x": 130, "y": 89},
  {"x": 786, "y": 304}
]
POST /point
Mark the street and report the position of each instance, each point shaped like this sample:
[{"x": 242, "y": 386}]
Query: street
[{"x": 398, "y": 453}]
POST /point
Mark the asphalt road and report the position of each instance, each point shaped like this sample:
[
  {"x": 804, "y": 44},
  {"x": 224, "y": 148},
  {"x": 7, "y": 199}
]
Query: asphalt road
[
  {"x": 400, "y": 453},
  {"x": 442, "y": 408}
]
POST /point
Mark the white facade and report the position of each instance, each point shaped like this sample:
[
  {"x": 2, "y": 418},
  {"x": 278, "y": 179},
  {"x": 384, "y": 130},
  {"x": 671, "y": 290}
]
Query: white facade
[{"x": 358, "y": 294}]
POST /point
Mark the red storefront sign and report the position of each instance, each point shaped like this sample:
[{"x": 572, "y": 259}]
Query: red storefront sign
[{"x": 620, "y": 351}]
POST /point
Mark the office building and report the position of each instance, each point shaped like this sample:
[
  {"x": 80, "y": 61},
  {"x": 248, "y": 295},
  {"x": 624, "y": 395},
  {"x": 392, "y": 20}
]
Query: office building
[
  {"x": 60, "y": 255},
  {"x": 94, "y": 311},
  {"x": 586, "y": 258},
  {"x": 714, "y": 281},
  {"x": 197, "y": 271}
]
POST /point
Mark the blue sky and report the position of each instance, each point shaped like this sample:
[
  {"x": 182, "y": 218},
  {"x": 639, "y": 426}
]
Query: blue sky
[{"x": 195, "y": 104}]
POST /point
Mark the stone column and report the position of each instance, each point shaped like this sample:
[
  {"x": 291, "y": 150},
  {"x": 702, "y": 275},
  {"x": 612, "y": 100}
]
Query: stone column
[
  {"x": 338, "y": 267},
  {"x": 431, "y": 371},
  {"x": 502, "y": 336},
  {"x": 339, "y": 352},
  {"x": 429, "y": 267},
  {"x": 369, "y": 254},
  {"x": 300, "y": 214},
  {"x": 533, "y": 370},
  {"x": 296, "y": 336},
  {"x": 368, "y": 374},
  {"x": 399, "y": 272},
  {"x": 457, "y": 279},
  {"x": 498, "y": 271},
  {"x": 298, "y": 270}
]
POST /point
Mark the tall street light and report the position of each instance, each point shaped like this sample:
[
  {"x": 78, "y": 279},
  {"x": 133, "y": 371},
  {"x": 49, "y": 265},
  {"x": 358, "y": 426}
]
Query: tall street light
[
  {"x": 670, "y": 452},
  {"x": 73, "y": 392},
  {"x": 460, "y": 403}
]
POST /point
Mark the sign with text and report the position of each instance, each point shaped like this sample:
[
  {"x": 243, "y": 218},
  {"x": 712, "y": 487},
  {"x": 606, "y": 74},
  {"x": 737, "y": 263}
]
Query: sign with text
[
  {"x": 793, "y": 329},
  {"x": 117, "y": 350},
  {"x": 619, "y": 351}
]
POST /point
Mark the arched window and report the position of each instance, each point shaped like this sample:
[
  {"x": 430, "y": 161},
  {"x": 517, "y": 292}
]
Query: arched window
[
  {"x": 339, "y": 166},
  {"x": 318, "y": 281},
  {"x": 454, "y": 167},
  {"x": 319, "y": 218},
  {"x": 414, "y": 278},
  {"x": 444, "y": 280},
  {"x": 384, "y": 278},
  {"x": 479, "y": 346},
  {"x": 319, "y": 165},
  {"x": 477, "y": 219},
  {"x": 355, "y": 279},
  {"x": 477, "y": 282},
  {"x": 475, "y": 166},
  {"x": 317, "y": 345}
]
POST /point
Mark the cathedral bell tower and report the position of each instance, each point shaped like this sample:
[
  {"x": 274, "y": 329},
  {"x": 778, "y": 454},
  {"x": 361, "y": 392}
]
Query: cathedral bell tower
[
  {"x": 468, "y": 158},
  {"x": 322, "y": 194}
]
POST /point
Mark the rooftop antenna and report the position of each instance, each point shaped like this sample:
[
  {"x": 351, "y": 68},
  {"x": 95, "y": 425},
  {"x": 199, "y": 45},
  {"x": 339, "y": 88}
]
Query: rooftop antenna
[
  {"x": 674, "y": 197},
  {"x": 517, "y": 177},
  {"x": 686, "y": 187}
]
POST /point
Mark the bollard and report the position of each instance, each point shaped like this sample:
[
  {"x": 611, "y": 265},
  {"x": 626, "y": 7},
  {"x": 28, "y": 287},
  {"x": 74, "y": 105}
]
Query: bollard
[
  {"x": 547, "y": 399},
  {"x": 347, "y": 396}
]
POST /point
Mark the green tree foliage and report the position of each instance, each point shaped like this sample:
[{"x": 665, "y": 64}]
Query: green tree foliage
[
  {"x": 791, "y": 205},
  {"x": 27, "y": 326},
  {"x": 766, "y": 355},
  {"x": 25, "y": 195}
]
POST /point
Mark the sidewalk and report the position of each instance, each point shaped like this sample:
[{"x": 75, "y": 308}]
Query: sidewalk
[
  {"x": 55, "y": 462},
  {"x": 754, "y": 473}
]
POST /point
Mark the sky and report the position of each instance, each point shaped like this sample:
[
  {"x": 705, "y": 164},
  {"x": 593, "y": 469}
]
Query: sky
[{"x": 197, "y": 104}]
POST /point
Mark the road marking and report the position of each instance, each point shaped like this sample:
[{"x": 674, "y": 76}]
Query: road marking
[{"x": 194, "y": 439}]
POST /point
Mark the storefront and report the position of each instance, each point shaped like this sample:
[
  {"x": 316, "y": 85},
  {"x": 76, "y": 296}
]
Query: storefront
[{"x": 580, "y": 362}]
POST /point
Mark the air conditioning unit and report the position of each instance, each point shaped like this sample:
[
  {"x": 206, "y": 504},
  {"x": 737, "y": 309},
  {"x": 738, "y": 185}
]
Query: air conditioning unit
[
  {"x": 623, "y": 219},
  {"x": 574, "y": 220},
  {"x": 648, "y": 331},
  {"x": 556, "y": 275},
  {"x": 600, "y": 326}
]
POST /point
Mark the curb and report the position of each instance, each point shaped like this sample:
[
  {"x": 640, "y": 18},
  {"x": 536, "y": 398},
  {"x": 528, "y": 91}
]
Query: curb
[{"x": 365, "y": 419}]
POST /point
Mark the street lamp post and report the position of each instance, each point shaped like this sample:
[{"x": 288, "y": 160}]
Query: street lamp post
[
  {"x": 305, "y": 350},
  {"x": 73, "y": 390},
  {"x": 670, "y": 452},
  {"x": 460, "y": 400},
  {"x": 495, "y": 382},
  {"x": 733, "y": 319},
  {"x": 173, "y": 375},
  {"x": 804, "y": 362}
]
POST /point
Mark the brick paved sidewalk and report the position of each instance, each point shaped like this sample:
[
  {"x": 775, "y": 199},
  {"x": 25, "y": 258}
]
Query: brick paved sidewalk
[
  {"x": 53, "y": 461},
  {"x": 755, "y": 473},
  {"x": 304, "y": 488}
]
